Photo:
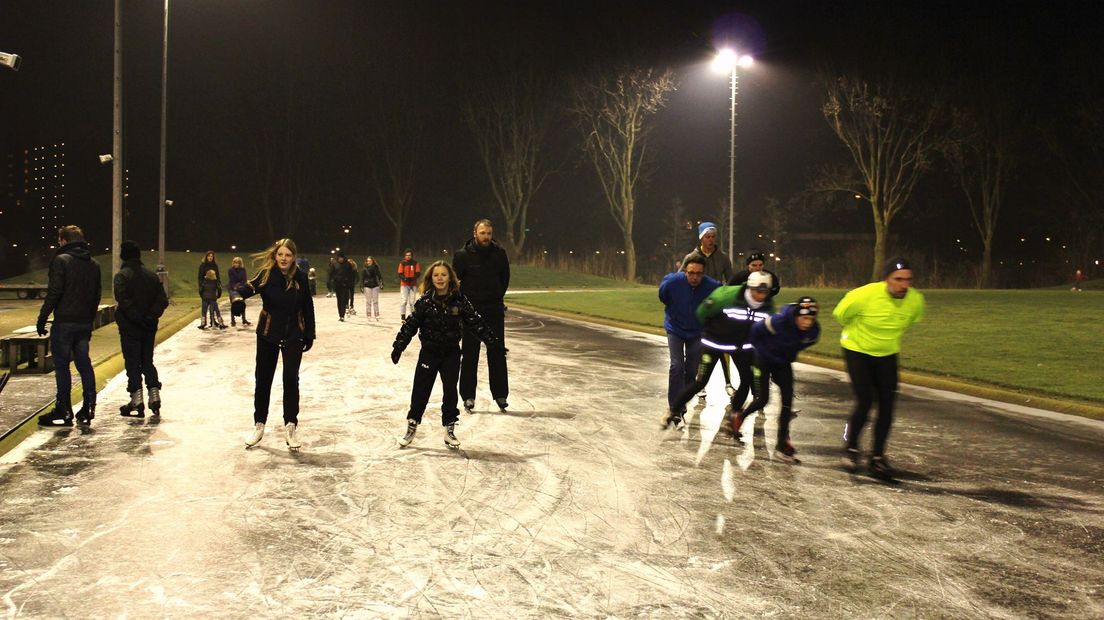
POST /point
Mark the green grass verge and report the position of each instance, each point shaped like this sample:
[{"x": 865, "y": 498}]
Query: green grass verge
[{"x": 1025, "y": 346}]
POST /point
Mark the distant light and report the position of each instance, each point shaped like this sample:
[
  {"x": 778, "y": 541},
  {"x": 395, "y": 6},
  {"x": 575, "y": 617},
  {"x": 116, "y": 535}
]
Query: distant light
[
  {"x": 233, "y": 247},
  {"x": 724, "y": 61},
  {"x": 597, "y": 252},
  {"x": 1022, "y": 240},
  {"x": 1048, "y": 238}
]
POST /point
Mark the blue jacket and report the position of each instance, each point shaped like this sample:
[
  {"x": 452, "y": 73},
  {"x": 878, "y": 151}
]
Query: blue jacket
[
  {"x": 777, "y": 340},
  {"x": 681, "y": 301}
]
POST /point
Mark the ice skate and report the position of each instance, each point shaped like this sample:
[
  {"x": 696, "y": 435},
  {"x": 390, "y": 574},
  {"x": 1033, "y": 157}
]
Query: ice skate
[
  {"x": 851, "y": 460},
  {"x": 135, "y": 408},
  {"x": 202, "y": 325},
  {"x": 86, "y": 412},
  {"x": 502, "y": 404},
  {"x": 411, "y": 430},
  {"x": 450, "y": 436},
  {"x": 233, "y": 322},
  {"x": 60, "y": 416},
  {"x": 155, "y": 401},
  {"x": 469, "y": 405},
  {"x": 222, "y": 325},
  {"x": 731, "y": 391},
  {"x": 736, "y": 421},
  {"x": 245, "y": 322},
  {"x": 255, "y": 438},
  {"x": 785, "y": 452},
  {"x": 293, "y": 443},
  {"x": 672, "y": 419},
  {"x": 701, "y": 397},
  {"x": 880, "y": 469}
]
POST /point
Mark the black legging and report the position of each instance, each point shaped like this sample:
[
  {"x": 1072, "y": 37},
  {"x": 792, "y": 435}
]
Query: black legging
[
  {"x": 434, "y": 362},
  {"x": 782, "y": 375},
  {"x": 709, "y": 359},
  {"x": 871, "y": 377},
  {"x": 742, "y": 359},
  {"x": 343, "y": 294},
  {"x": 267, "y": 354}
]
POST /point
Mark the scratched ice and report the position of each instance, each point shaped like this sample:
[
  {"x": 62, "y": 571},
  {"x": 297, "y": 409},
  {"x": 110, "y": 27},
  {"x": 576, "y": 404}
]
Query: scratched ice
[{"x": 573, "y": 504}]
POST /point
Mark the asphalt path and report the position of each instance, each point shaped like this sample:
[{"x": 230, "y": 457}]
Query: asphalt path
[{"x": 572, "y": 504}]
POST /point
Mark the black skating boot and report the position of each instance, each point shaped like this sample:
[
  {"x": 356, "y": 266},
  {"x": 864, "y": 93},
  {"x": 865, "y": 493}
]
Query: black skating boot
[
  {"x": 87, "y": 411},
  {"x": 737, "y": 421},
  {"x": 851, "y": 458},
  {"x": 155, "y": 401},
  {"x": 469, "y": 405},
  {"x": 786, "y": 452},
  {"x": 60, "y": 416},
  {"x": 879, "y": 468},
  {"x": 135, "y": 408},
  {"x": 502, "y": 404}
]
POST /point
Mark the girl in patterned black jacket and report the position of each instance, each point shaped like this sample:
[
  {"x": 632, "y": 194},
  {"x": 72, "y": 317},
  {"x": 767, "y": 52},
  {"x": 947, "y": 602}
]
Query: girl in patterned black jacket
[{"x": 439, "y": 318}]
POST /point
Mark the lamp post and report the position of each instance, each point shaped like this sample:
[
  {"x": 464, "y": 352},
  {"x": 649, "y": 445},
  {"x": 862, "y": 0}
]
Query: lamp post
[
  {"x": 162, "y": 273},
  {"x": 728, "y": 61}
]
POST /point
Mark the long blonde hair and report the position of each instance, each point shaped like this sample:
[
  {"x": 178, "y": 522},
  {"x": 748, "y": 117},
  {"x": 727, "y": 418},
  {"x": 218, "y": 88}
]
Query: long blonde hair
[
  {"x": 427, "y": 279},
  {"x": 265, "y": 261}
]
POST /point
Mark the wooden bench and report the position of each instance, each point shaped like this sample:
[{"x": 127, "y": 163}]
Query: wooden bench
[
  {"x": 26, "y": 351},
  {"x": 105, "y": 315}
]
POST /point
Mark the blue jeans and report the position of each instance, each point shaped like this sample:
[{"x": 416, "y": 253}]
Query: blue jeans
[
  {"x": 69, "y": 342},
  {"x": 685, "y": 357}
]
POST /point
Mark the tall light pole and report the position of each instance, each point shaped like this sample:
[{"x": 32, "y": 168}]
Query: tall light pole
[
  {"x": 117, "y": 145},
  {"x": 728, "y": 61},
  {"x": 161, "y": 203}
]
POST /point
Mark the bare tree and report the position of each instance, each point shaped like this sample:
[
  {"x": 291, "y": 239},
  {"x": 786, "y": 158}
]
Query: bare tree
[
  {"x": 891, "y": 138},
  {"x": 982, "y": 156},
  {"x": 1081, "y": 157},
  {"x": 509, "y": 117},
  {"x": 390, "y": 137},
  {"x": 678, "y": 228},
  {"x": 614, "y": 111}
]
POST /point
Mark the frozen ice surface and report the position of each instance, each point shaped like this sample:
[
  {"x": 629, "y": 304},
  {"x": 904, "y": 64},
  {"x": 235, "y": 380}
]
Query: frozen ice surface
[{"x": 573, "y": 504}]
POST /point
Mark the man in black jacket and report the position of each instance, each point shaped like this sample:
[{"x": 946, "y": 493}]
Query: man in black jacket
[
  {"x": 344, "y": 277},
  {"x": 484, "y": 273},
  {"x": 73, "y": 296},
  {"x": 141, "y": 301}
]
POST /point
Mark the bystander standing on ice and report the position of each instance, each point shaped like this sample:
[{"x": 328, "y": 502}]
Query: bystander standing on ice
[
  {"x": 408, "y": 271},
  {"x": 236, "y": 277},
  {"x": 285, "y": 328},
  {"x": 141, "y": 300},
  {"x": 372, "y": 281},
  {"x": 343, "y": 277},
  {"x": 439, "y": 318},
  {"x": 874, "y": 317},
  {"x": 210, "y": 290}
]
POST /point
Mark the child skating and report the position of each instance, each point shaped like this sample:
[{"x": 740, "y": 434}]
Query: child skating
[{"x": 438, "y": 317}]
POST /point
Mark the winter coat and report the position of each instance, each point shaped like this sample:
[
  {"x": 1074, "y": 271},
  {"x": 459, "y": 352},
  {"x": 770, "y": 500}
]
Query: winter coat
[
  {"x": 717, "y": 264},
  {"x": 370, "y": 277},
  {"x": 210, "y": 290},
  {"x": 681, "y": 301},
  {"x": 344, "y": 275},
  {"x": 440, "y": 323},
  {"x": 726, "y": 318},
  {"x": 235, "y": 278},
  {"x": 140, "y": 297},
  {"x": 288, "y": 313},
  {"x": 742, "y": 276},
  {"x": 408, "y": 272},
  {"x": 777, "y": 339},
  {"x": 206, "y": 265},
  {"x": 874, "y": 321},
  {"x": 73, "y": 291},
  {"x": 484, "y": 273}
]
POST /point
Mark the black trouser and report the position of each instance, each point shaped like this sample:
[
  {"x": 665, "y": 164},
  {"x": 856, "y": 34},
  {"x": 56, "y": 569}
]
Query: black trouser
[
  {"x": 495, "y": 318},
  {"x": 137, "y": 345},
  {"x": 782, "y": 375},
  {"x": 871, "y": 377},
  {"x": 743, "y": 359},
  {"x": 709, "y": 359},
  {"x": 432, "y": 362},
  {"x": 267, "y": 354},
  {"x": 342, "y": 299}
]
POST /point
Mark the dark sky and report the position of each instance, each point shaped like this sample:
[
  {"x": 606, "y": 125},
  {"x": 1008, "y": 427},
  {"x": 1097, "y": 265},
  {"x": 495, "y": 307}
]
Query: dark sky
[{"x": 238, "y": 65}]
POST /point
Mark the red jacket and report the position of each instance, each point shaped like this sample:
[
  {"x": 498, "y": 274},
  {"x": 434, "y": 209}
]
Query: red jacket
[{"x": 408, "y": 272}]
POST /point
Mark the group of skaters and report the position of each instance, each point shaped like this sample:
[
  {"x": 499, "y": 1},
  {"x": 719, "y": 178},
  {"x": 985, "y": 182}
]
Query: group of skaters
[
  {"x": 715, "y": 317},
  {"x": 341, "y": 281},
  {"x": 209, "y": 280}
]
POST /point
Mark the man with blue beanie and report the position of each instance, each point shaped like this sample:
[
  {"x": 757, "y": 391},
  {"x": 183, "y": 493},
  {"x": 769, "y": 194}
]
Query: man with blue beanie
[
  {"x": 681, "y": 293},
  {"x": 719, "y": 267}
]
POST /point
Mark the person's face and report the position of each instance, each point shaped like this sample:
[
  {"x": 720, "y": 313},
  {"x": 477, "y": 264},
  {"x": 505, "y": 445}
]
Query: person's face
[
  {"x": 440, "y": 279},
  {"x": 759, "y": 295},
  {"x": 899, "y": 282},
  {"x": 284, "y": 258},
  {"x": 805, "y": 321},
  {"x": 369, "y": 262},
  {"x": 341, "y": 259},
  {"x": 237, "y": 263},
  {"x": 408, "y": 256},
  {"x": 709, "y": 241},
  {"x": 483, "y": 235},
  {"x": 210, "y": 257},
  {"x": 694, "y": 274},
  {"x": 755, "y": 265}
]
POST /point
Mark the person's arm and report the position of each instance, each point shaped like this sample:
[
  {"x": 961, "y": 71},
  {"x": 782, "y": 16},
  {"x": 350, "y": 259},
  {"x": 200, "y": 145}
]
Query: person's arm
[
  {"x": 504, "y": 277},
  {"x": 407, "y": 331},
  {"x": 124, "y": 297},
  {"x": 474, "y": 322},
  {"x": 848, "y": 308},
  {"x": 55, "y": 288},
  {"x": 665, "y": 288},
  {"x": 160, "y": 303},
  {"x": 249, "y": 289},
  {"x": 309, "y": 332},
  {"x": 713, "y": 305}
]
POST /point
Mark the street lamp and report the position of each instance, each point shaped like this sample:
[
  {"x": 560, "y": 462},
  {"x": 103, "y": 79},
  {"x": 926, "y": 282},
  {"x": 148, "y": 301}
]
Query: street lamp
[{"x": 728, "y": 61}]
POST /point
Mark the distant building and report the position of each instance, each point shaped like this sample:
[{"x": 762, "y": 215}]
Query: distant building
[{"x": 44, "y": 194}]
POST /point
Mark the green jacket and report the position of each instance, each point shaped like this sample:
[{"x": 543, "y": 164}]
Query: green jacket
[
  {"x": 726, "y": 318},
  {"x": 873, "y": 321}
]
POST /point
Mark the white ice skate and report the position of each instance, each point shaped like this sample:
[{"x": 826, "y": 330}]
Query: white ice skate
[
  {"x": 411, "y": 429},
  {"x": 255, "y": 438},
  {"x": 289, "y": 436},
  {"x": 450, "y": 436}
]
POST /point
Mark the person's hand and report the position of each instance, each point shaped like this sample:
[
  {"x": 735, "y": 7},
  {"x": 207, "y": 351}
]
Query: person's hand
[
  {"x": 307, "y": 344},
  {"x": 40, "y": 327},
  {"x": 395, "y": 355}
]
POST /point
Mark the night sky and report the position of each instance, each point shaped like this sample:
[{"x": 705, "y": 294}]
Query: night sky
[{"x": 238, "y": 65}]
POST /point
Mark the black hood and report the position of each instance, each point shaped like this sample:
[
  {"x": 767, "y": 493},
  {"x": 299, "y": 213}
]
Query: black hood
[{"x": 76, "y": 249}]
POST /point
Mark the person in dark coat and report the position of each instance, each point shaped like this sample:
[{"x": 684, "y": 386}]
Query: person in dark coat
[
  {"x": 484, "y": 272},
  {"x": 756, "y": 262},
  {"x": 439, "y": 318},
  {"x": 73, "y": 296},
  {"x": 285, "y": 328},
  {"x": 141, "y": 301},
  {"x": 344, "y": 276},
  {"x": 208, "y": 263}
]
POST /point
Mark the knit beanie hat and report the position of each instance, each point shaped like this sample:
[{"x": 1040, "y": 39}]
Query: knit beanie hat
[
  {"x": 894, "y": 264},
  {"x": 807, "y": 306},
  {"x": 706, "y": 227},
  {"x": 129, "y": 250},
  {"x": 754, "y": 256}
]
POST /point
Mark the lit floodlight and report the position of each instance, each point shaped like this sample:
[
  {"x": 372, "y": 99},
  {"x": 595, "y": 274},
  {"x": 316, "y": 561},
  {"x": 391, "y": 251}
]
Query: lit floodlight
[
  {"x": 10, "y": 60},
  {"x": 724, "y": 61},
  {"x": 168, "y": 203},
  {"x": 106, "y": 159},
  {"x": 745, "y": 61}
]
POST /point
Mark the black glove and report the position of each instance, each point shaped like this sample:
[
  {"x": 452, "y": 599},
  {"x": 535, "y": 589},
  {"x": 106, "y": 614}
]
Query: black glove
[
  {"x": 41, "y": 327},
  {"x": 395, "y": 355},
  {"x": 307, "y": 344}
]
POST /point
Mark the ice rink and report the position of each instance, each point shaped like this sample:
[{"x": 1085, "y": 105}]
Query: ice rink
[{"x": 572, "y": 504}]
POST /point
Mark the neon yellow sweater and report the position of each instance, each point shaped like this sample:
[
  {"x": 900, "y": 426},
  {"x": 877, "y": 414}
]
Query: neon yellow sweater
[{"x": 873, "y": 321}]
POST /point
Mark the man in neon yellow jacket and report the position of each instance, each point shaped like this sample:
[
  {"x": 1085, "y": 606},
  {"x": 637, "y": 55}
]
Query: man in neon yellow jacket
[{"x": 874, "y": 317}]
